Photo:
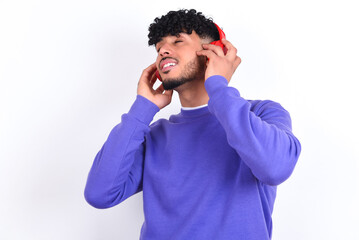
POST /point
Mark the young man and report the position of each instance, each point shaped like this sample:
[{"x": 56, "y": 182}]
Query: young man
[{"x": 209, "y": 172}]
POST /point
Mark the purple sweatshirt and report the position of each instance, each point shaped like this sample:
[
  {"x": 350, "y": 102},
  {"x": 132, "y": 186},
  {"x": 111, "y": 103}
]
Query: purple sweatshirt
[{"x": 208, "y": 173}]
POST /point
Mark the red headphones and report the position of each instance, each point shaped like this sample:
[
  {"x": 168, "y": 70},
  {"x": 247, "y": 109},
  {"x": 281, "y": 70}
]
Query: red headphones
[
  {"x": 216, "y": 43},
  {"x": 221, "y": 36}
]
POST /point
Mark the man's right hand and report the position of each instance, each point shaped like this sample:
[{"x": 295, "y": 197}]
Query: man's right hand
[{"x": 160, "y": 97}]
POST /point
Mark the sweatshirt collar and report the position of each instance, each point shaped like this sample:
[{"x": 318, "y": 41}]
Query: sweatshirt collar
[
  {"x": 193, "y": 108},
  {"x": 188, "y": 115},
  {"x": 194, "y": 112}
]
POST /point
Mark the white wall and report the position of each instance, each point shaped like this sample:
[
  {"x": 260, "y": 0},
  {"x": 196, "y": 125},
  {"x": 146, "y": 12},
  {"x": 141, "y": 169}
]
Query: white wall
[{"x": 69, "y": 70}]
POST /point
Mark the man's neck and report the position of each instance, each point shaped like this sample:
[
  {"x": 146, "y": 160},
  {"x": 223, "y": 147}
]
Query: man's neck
[{"x": 193, "y": 94}]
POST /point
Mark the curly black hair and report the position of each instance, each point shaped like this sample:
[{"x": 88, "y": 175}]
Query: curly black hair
[{"x": 176, "y": 22}]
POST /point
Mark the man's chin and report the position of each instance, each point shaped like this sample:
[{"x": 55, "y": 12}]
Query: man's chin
[
  {"x": 193, "y": 70},
  {"x": 169, "y": 84}
]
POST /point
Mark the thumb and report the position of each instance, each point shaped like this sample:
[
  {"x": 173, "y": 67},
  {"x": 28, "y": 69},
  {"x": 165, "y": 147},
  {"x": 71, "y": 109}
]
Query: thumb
[{"x": 168, "y": 93}]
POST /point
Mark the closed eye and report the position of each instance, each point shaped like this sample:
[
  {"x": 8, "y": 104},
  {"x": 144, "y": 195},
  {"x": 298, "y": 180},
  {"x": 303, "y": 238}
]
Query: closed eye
[{"x": 177, "y": 41}]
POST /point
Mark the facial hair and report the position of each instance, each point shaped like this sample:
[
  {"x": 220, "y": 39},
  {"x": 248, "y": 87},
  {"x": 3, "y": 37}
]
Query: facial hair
[{"x": 194, "y": 69}]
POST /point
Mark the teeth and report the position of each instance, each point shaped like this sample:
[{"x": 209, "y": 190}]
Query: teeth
[{"x": 169, "y": 64}]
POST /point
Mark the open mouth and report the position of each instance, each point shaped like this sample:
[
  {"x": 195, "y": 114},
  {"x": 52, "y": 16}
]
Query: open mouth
[
  {"x": 167, "y": 67},
  {"x": 167, "y": 64}
]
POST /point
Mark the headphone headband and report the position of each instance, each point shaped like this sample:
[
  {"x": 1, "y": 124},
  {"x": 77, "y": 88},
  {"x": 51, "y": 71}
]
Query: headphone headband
[{"x": 220, "y": 31}]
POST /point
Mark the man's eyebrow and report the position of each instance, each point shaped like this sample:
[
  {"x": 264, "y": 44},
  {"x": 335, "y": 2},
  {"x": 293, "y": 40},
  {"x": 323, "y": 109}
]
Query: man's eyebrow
[
  {"x": 158, "y": 44},
  {"x": 182, "y": 35},
  {"x": 157, "y": 49}
]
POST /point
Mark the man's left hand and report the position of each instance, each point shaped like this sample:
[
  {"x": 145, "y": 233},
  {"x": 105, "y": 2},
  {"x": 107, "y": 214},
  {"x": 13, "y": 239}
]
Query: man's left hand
[{"x": 220, "y": 63}]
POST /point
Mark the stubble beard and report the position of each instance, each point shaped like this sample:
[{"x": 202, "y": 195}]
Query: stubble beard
[{"x": 193, "y": 70}]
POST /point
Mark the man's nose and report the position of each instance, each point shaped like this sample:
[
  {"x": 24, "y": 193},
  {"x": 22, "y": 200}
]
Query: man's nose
[{"x": 165, "y": 49}]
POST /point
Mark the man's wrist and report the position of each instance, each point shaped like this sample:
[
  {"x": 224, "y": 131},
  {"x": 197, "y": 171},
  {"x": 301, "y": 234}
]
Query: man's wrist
[{"x": 214, "y": 83}]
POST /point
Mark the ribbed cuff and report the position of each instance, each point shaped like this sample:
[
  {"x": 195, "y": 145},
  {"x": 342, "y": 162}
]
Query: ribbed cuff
[
  {"x": 143, "y": 109},
  {"x": 214, "y": 83}
]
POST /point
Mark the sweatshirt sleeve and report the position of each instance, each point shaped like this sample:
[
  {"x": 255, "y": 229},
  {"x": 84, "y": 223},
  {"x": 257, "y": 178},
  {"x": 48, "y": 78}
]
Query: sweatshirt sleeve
[
  {"x": 117, "y": 170},
  {"x": 260, "y": 133}
]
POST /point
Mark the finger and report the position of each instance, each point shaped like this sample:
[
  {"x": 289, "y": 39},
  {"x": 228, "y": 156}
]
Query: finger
[
  {"x": 151, "y": 67},
  {"x": 217, "y": 49},
  {"x": 231, "y": 50},
  {"x": 207, "y": 53},
  {"x": 147, "y": 73},
  {"x": 153, "y": 79},
  {"x": 169, "y": 93},
  {"x": 160, "y": 89},
  {"x": 237, "y": 61}
]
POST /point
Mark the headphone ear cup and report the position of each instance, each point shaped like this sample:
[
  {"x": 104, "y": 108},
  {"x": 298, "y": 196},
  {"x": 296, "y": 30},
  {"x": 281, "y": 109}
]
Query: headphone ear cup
[
  {"x": 158, "y": 75},
  {"x": 219, "y": 43},
  {"x": 221, "y": 36},
  {"x": 220, "y": 31}
]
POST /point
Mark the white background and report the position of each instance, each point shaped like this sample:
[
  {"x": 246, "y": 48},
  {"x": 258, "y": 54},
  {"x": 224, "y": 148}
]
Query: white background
[{"x": 69, "y": 70}]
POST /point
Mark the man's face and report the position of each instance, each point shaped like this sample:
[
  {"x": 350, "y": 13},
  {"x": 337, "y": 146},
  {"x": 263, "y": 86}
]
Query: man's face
[{"x": 177, "y": 61}]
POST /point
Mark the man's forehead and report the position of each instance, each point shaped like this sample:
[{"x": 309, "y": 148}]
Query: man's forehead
[{"x": 190, "y": 37}]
